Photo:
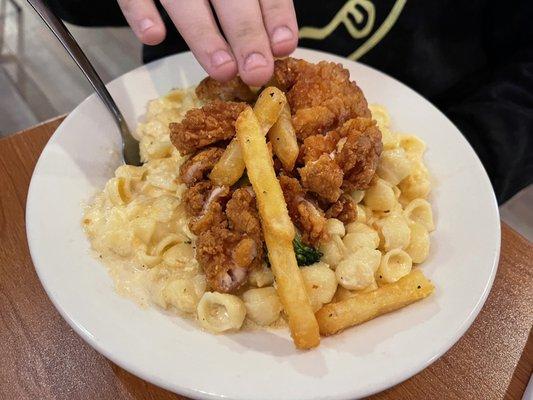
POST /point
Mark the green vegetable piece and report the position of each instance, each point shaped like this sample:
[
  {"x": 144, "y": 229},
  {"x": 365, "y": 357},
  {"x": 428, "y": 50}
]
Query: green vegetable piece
[{"x": 305, "y": 254}]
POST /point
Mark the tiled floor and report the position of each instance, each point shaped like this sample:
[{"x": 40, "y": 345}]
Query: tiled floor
[{"x": 42, "y": 82}]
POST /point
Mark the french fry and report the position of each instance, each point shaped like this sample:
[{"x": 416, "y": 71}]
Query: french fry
[
  {"x": 343, "y": 294},
  {"x": 362, "y": 307},
  {"x": 268, "y": 107},
  {"x": 230, "y": 167},
  {"x": 278, "y": 230},
  {"x": 283, "y": 138}
]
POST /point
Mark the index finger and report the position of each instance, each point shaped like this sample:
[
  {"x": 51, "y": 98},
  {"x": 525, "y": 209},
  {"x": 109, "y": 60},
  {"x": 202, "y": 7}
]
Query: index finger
[
  {"x": 279, "y": 18},
  {"x": 144, "y": 19},
  {"x": 197, "y": 25}
]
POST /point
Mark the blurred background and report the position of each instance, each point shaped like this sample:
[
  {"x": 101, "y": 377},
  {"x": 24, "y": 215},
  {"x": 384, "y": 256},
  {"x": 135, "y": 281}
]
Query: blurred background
[{"x": 39, "y": 81}]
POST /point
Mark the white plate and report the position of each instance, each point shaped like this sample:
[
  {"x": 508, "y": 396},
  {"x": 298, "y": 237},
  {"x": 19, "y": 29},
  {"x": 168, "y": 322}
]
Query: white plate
[{"x": 171, "y": 352}]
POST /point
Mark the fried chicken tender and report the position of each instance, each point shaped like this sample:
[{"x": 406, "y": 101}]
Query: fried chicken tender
[
  {"x": 314, "y": 146},
  {"x": 359, "y": 155},
  {"x": 343, "y": 209},
  {"x": 205, "y": 202},
  {"x": 210, "y": 89},
  {"x": 198, "y": 166},
  {"x": 348, "y": 155},
  {"x": 227, "y": 251},
  {"x": 304, "y": 213},
  {"x": 242, "y": 212},
  {"x": 321, "y": 95},
  {"x": 196, "y": 196},
  {"x": 243, "y": 217},
  {"x": 204, "y": 126},
  {"x": 214, "y": 252},
  {"x": 323, "y": 177}
]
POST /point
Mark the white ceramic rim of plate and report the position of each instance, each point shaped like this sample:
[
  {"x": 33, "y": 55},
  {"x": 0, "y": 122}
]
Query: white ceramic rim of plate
[{"x": 350, "y": 391}]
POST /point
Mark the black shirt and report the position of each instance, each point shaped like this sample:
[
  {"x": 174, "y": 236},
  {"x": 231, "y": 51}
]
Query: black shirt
[{"x": 472, "y": 59}]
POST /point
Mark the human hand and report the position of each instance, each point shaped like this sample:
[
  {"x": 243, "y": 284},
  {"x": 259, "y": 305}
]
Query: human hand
[{"x": 256, "y": 31}]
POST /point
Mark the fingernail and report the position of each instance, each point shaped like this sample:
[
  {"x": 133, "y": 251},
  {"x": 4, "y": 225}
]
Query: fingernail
[
  {"x": 145, "y": 24},
  {"x": 281, "y": 34},
  {"x": 255, "y": 60},
  {"x": 220, "y": 57}
]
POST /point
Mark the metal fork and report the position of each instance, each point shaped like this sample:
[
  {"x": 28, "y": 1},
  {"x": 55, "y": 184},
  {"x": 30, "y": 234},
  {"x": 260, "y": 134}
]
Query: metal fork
[{"x": 130, "y": 145}]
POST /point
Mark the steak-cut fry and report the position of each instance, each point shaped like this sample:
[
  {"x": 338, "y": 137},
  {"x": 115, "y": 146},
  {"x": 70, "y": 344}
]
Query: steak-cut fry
[
  {"x": 267, "y": 108},
  {"x": 283, "y": 139},
  {"x": 278, "y": 230},
  {"x": 362, "y": 307}
]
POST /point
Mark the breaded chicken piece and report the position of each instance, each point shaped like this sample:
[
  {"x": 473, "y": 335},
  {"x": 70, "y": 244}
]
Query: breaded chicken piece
[
  {"x": 228, "y": 251},
  {"x": 305, "y": 214},
  {"x": 205, "y": 203},
  {"x": 349, "y": 154},
  {"x": 343, "y": 209},
  {"x": 201, "y": 127},
  {"x": 359, "y": 155},
  {"x": 323, "y": 177},
  {"x": 321, "y": 95},
  {"x": 198, "y": 166},
  {"x": 214, "y": 252},
  {"x": 210, "y": 89},
  {"x": 316, "y": 145},
  {"x": 242, "y": 212},
  {"x": 243, "y": 217}
]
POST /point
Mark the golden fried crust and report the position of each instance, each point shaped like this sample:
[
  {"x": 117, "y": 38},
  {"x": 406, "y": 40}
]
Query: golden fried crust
[
  {"x": 198, "y": 166},
  {"x": 243, "y": 217},
  {"x": 214, "y": 252},
  {"x": 204, "y": 126},
  {"x": 286, "y": 72},
  {"x": 304, "y": 213},
  {"x": 314, "y": 146},
  {"x": 321, "y": 95},
  {"x": 210, "y": 89},
  {"x": 227, "y": 251},
  {"x": 195, "y": 197},
  {"x": 242, "y": 212},
  {"x": 205, "y": 203},
  {"x": 213, "y": 216},
  {"x": 360, "y": 153},
  {"x": 343, "y": 209},
  {"x": 323, "y": 177},
  {"x": 348, "y": 155}
]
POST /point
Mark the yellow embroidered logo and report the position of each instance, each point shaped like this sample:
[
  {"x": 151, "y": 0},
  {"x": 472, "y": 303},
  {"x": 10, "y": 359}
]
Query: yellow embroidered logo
[{"x": 363, "y": 13}]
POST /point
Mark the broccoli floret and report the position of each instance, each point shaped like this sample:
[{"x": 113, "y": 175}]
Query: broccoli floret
[{"x": 305, "y": 254}]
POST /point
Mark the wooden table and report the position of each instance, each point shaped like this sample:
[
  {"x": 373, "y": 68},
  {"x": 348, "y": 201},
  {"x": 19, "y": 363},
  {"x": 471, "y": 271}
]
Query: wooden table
[{"x": 42, "y": 358}]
